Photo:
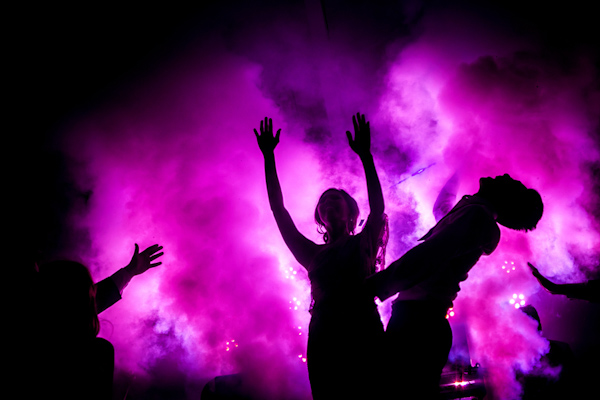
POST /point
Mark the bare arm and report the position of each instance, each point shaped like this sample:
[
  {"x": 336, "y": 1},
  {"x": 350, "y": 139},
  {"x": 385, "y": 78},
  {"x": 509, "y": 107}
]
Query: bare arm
[
  {"x": 475, "y": 231},
  {"x": 361, "y": 145},
  {"x": 571, "y": 290},
  {"x": 302, "y": 248}
]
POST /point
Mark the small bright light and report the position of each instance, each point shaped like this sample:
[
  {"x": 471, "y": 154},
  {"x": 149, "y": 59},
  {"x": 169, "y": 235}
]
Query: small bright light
[
  {"x": 294, "y": 298},
  {"x": 512, "y": 301},
  {"x": 295, "y": 272},
  {"x": 227, "y": 343},
  {"x": 227, "y": 349},
  {"x": 295, "y": 308},
  {"x": 517, "y": 305},
  {"x": 291, "y": 269},
  {"x": 299, "y": 327},
  {"x": 512, "y": 262},
  {"x": 514, "y": 296},
  {"x": 304, "y": 360},
  {"x": 299, "y": 355},
  {"x": 503, "y": 267},
  {"x": 513, "y": 268},
  {"x": 521, "y": 297},
  {"x": 452, "y": 313},
  {"x": 522, "y": 302},
  {"x": 299, "y": 333}
]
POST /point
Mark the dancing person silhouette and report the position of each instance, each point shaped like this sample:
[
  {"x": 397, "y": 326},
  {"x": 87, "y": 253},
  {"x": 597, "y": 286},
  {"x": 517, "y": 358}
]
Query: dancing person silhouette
[
  {"x": 345, "y": 329},
  {"x": 427, "y": 278}
]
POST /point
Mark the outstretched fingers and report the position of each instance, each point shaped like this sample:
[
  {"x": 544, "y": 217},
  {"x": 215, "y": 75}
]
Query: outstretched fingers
[
  {"x": 355, "y": 122},
  {"x": 152, "y": 249}
]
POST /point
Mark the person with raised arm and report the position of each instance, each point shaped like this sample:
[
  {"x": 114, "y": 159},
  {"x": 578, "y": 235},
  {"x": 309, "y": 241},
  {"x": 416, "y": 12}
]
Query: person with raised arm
[{"x": 345, "y": 329}]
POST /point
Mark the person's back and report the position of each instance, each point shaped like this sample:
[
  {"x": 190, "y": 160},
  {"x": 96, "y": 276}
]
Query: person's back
[
  {"x": 74, "y": 363},
  {"x": 427, "y": 278},
  {"x": 473, "y": 221}
]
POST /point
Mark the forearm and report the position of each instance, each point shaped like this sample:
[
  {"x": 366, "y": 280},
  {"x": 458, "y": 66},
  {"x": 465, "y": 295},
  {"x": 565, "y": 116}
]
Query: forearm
[
  {"x": 273, "y": 186},
  {"x": 402, "y": 274},
  {"x": 121, "y": 278},
  {"x": 376, "y": 203}
]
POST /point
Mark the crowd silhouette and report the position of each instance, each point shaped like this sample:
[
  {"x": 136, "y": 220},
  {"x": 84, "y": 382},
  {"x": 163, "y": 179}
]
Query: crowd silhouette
[{"x": 404, "y": 360}]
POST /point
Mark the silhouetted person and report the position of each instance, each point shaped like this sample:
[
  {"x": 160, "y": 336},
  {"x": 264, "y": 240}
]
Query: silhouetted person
[
  {"x": 589, "y": 290},
  {"x": 73, "y": 362},
  {"x": 427, "y": 277},
  {"x": 345, "y": 328},
  {"x": 537, "y": 384}
]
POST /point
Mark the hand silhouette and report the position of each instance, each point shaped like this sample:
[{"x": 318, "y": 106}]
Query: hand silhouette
[
  {"x": 361, "y": 144},
  {"x": 266, "y": 141},
  {"x": 141, "y": 262},
  {"x": 546, "y": 284}
]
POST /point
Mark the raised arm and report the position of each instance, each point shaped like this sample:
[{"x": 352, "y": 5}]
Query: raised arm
[
  {"x": 361, "y": 145},
  {"x": 109, "y": 290},
  {"x": 302, "y": 248},
  {"x": 584, "y": 291}
]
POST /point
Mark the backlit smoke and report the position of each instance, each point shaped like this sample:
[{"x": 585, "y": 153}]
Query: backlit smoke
[{"x": 174, "y": 161}]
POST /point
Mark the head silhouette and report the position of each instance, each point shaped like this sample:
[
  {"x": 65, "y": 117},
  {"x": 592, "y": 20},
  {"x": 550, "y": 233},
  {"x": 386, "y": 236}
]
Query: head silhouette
[
  {"x": 69, "y": 299},
  {"x": 336, "y": 208},
  {"x": 516, "y": 206},
  {"x": 532, "y": 312}
]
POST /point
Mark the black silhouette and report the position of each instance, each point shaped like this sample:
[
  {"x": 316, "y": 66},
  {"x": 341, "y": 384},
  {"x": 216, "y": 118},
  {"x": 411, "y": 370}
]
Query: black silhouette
[
  {"x": 109, "y": 290},
  {"x": 536, "y": 383},
  {"x": 72, "y": 362},
  {"x": 589, "y": 290},
  {"x": 345, "y": 329},
  {"x": 418, "y": 336}
]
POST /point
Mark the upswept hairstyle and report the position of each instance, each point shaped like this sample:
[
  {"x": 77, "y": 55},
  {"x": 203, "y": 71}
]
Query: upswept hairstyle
[
  {"x": 520, "y": 209},
  {"x": 352, "y": 207}
]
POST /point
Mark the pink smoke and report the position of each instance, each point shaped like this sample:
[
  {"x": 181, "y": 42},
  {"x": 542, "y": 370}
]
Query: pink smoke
[{"x": 173, "y": 160}]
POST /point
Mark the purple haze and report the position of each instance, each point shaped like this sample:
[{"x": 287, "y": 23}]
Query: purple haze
[{"x": 173, "y": 160}]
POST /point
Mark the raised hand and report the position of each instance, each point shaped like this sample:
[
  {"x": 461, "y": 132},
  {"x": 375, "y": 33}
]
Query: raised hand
[
  {"x": 266, "y": 141},
  {"x": 361, "y": 144},
  {"x": 141, "y": 262},
  {"x": 549, "y": 286}
]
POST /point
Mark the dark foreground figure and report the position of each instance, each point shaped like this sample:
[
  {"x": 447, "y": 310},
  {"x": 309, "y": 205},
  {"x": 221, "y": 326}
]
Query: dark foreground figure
[
  {"x": 70, "y": 361},
  {"x": 418, "y": 336}
]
